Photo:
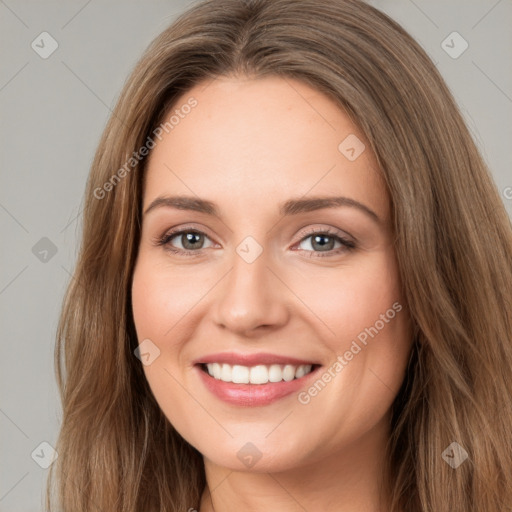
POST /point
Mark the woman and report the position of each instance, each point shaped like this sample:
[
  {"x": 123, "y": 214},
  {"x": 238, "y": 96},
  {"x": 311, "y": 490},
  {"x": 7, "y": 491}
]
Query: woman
[{"x": 294, "y": 285}]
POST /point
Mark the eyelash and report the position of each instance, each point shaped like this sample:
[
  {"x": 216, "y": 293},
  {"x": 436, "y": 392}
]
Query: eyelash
[{"x": 348, "y": 245}]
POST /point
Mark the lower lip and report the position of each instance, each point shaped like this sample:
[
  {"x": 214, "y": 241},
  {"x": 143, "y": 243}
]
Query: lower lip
[{"x": 252, "y": 395}]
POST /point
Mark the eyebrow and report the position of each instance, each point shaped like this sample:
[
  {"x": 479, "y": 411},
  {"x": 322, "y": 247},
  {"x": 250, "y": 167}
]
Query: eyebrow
[{"x": 288, "y": 208}]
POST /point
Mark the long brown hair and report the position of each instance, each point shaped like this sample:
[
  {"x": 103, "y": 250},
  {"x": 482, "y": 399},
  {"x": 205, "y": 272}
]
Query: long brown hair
[{"x": 117, "y": 451}]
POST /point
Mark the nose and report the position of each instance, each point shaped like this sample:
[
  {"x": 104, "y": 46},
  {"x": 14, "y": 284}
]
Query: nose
[{"x": 251, "y": 298}]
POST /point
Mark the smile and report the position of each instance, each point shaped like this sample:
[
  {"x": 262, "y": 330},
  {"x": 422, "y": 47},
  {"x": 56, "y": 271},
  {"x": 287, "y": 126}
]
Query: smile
[
  {"x": 260, "y": 374},
  {"x": 250, "y": 380}
]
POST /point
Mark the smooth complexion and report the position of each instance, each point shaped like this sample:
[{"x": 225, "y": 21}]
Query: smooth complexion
[{"x": 250, "y": 146}]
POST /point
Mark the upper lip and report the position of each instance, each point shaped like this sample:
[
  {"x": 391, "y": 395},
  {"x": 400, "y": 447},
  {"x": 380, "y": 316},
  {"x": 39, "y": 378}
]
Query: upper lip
[{"x": 233, "y": 358}]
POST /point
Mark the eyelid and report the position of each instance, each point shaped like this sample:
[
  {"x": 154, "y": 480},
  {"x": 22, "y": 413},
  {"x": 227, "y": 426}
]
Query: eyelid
[
  {"x": 177, "y": 230},
  {"x": 327, "y": 230}
]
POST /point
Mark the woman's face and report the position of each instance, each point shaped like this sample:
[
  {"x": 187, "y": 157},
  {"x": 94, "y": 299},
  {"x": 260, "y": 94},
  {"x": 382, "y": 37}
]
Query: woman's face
[{"x": 274, "y": 276}]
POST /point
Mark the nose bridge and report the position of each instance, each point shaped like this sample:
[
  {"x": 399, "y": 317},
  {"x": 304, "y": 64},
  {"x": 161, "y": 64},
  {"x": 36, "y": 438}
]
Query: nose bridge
[{"x": 251, "y": 296}]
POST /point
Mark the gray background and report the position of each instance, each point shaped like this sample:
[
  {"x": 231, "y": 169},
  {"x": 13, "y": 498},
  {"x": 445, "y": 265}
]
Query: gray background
[{"x": 52, "y": 114}]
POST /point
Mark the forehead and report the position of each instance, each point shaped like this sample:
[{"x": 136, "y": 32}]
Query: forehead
[{"x": 261, "y": 141}]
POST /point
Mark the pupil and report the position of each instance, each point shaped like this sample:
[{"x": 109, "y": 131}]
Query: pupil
[
  {"x": 190, "y": 238},
  {"x": 322, "y": 244}
]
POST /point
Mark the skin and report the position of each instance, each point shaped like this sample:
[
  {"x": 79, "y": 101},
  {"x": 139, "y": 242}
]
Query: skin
[{"x": 249, "y": 145}]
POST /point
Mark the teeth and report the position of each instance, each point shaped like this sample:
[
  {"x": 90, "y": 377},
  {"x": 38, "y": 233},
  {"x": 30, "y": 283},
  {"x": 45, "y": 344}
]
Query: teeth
[
  {"x": 240, "y": 374},
  {"x": 275, "y": 374},
  {"x": 225, "y": 373},
  {"x": 301, "y": 371},
  {"x": 216, "y": 370},
  {"x": 260, "y": 374},
  {"x": 288, "y": 373}
]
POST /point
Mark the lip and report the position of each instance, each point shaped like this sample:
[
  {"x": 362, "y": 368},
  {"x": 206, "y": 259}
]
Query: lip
[
  {"x": 265, "y": 358},
  {"x": 253, "y": 395}
]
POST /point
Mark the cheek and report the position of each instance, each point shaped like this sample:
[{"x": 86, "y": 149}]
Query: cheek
[
  {"x": 160, "y": 300},
  {"x": 351, "y": 299},
  {"x": 158, "y": 306},
  {"x": 369, "y": 337}
]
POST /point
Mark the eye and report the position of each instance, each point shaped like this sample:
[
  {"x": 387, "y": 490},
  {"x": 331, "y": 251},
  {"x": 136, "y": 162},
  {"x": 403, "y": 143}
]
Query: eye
[
  {"x": 190, "y": 240},
  {"x": 324, "y": 241}
]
